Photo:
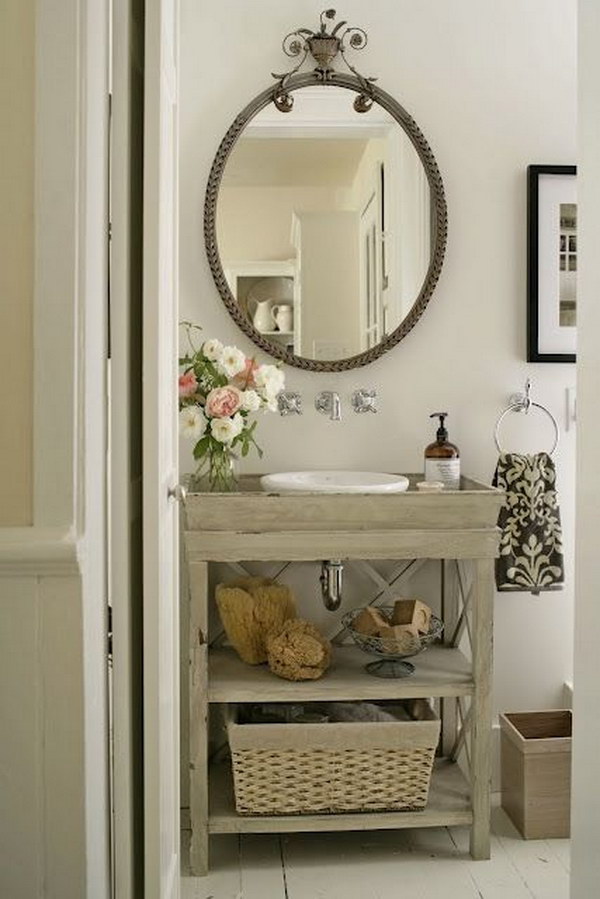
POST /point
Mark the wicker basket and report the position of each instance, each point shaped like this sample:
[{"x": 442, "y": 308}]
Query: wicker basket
[{"x": 286, "y": 769}]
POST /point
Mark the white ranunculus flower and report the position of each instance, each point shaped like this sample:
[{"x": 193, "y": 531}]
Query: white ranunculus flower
[
  {"x": 251, "y": 401},
  {"x": 232, "y": 361},
  {"x": 225, "y": 430},
  {"x": 192, "y": 422},
  {"x": 213, "y": 350},
  {"x": 271, "y": 403},
  {"x": 238, "y": 423},
  {"x": 270, "y": 378}
]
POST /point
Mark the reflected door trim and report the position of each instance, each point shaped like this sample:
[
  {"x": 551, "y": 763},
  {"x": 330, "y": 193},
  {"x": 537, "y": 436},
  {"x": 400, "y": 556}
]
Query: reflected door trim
[{"x": 439, "y": 222}]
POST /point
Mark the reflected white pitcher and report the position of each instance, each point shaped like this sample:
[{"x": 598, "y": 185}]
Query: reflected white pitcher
[{"x": 262, "y": 314}]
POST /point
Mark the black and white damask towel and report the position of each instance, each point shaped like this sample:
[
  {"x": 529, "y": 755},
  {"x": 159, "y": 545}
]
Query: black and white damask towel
[{"x": 531, "y": 557}]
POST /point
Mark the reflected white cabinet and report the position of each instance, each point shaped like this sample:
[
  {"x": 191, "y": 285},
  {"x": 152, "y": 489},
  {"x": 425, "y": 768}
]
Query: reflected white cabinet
[{"x": 327, "y": 249}]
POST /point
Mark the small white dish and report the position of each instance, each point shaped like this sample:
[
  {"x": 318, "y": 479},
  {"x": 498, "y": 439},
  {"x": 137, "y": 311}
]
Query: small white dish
[{"x": 430, "y": 486}]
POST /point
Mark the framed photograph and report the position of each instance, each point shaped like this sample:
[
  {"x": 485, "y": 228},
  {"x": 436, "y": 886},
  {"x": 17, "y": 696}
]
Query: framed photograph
[{"x": 551, "y": 263}]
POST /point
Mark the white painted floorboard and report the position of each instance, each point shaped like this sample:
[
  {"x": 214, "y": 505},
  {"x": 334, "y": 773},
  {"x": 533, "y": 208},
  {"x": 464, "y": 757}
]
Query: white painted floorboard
[{"x": 420, "y": 864}]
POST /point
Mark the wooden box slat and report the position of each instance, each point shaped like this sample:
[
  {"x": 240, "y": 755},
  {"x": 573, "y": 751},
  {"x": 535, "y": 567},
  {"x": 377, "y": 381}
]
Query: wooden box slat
[{"x": 475, "y": 506}]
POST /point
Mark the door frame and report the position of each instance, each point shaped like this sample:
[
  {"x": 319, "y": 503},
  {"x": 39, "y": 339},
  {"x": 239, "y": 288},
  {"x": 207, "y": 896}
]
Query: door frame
[
  {"x": 125, "y": 415},
  {"x": 70, "y": 442}
]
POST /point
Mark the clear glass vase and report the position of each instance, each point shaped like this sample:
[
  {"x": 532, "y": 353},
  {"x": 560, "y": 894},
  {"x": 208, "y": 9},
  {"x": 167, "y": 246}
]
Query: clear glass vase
[{"x": 217, "y": 473}]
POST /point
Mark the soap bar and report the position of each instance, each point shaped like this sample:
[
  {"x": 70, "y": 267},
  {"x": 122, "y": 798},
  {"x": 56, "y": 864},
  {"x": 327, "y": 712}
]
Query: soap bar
[
  {"x": 400, "y": 638},
  {"x": 370, "y": 622},
  {"x": 412, "y": 611}
]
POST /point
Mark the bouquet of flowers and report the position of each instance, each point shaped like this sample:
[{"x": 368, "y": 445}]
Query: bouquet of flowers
[{"x": 219, "y": 391}]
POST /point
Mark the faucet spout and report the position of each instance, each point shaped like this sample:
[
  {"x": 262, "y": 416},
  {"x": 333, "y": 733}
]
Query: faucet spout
[{"x": 336, "y": 407}]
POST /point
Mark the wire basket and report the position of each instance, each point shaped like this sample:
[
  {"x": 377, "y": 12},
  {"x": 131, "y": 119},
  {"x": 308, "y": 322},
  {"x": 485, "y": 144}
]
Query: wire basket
[{"x": 391, "y": 664}]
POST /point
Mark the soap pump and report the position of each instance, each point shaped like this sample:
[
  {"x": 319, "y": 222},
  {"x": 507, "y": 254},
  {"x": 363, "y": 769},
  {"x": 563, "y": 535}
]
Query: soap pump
[{"x": 442, "y": 458}]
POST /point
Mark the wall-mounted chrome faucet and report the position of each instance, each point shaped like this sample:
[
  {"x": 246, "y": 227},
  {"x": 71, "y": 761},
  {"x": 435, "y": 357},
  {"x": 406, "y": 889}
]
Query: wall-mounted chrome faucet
[
  {"x": 328, "y": 403},
  {"x": 364, "y": 401},
  {"x": 289, "y": 403}
]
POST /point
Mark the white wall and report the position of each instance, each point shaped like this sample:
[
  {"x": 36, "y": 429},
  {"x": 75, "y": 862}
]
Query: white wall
[
  {"x": 492, "y": 85},
  {"x": 586, "y": 786}
]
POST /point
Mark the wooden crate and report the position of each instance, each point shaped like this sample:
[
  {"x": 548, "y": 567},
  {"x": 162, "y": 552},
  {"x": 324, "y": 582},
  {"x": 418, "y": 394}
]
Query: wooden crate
[{"x": 536, "y": 772}]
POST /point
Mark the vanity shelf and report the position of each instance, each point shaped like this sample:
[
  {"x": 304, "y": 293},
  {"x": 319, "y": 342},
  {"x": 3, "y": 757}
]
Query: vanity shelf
[
  {"x": 441, "y": 671},
  {"x": 456, "y": 527},
  {"x": 449, "y": 804}
]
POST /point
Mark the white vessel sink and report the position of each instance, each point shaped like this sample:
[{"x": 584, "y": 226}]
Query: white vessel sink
[{"x": 333, "y": 482}]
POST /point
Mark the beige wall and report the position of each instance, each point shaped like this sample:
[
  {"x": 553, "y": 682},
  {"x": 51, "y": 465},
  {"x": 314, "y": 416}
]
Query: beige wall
[
  {"x": 481, "y": 79},
  {"x": 53, "y": 704},
  {"x": 255, "y": 223},
  {"x": 17, "y": 43}
]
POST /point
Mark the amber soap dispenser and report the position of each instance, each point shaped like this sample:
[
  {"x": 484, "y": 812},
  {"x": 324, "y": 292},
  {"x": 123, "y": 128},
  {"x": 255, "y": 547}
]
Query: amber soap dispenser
[{"x": 442, "y": 458}]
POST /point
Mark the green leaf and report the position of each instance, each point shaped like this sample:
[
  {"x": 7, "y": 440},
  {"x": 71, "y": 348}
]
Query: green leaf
[{"x": 202, "y": 447}]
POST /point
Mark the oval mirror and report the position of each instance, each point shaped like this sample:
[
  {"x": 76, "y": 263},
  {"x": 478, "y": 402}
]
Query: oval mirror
[{"x": 325, "y": 227}]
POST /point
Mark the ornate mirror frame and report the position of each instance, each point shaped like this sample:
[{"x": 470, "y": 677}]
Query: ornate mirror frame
[{"x": 324, "y": 47}]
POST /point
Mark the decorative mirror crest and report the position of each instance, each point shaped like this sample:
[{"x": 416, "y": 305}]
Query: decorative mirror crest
[{"x": 324, "y": 46}]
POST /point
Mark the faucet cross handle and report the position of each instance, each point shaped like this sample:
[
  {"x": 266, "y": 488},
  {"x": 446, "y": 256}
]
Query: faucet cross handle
[
  {"x": 328, "y": 403},
  {"x": 364, "y": 401},
  {"x": 289, "y": 403}
]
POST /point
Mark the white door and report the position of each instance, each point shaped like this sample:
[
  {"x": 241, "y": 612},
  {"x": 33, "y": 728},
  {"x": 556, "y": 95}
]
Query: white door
[
  {"x": 160, "y": 514},
  {"x": 370, "y": 265}
]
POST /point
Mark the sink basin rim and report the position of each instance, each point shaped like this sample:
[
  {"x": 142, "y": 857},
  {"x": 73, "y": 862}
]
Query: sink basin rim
[{"x": 357, "y": 482}]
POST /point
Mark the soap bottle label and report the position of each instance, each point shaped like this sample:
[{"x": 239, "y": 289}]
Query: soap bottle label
[{"x": 445, "y": 470}]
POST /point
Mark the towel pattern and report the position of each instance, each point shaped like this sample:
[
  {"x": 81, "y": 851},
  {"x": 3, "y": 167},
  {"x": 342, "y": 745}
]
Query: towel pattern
[{"x": 531, "y": 555}]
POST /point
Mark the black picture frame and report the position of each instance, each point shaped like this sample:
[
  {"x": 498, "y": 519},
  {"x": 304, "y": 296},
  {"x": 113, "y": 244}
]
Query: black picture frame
[{"x": 533, "y": 263}]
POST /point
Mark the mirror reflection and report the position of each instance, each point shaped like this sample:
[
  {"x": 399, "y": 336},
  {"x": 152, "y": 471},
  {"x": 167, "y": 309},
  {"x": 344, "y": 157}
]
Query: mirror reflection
[{"x": 324, "y": 225}]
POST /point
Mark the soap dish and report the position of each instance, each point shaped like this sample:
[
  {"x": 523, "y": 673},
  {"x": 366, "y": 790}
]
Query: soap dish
[{"x": 390, "y": 665}]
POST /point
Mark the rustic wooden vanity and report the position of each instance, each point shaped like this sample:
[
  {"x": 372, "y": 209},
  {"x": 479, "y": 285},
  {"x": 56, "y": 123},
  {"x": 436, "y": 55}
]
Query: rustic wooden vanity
[{"x": 458, "y": 528}]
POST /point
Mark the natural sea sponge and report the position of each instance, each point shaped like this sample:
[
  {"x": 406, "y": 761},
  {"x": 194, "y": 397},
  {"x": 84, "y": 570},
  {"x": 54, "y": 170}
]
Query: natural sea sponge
[
  {"x": 251, "y": 610},
  {"x": 298, "y": 651}
]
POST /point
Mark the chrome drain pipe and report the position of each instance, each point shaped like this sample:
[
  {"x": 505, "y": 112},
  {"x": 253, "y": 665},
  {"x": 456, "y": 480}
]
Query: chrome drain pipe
[{"x": 331, "y": 583}]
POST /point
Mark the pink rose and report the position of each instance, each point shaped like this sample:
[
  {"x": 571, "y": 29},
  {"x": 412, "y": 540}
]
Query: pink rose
[
  {"x": 188, "y": 384},
  {"x": 245, "y": 379},
  {"x": 223, "y": 402}
]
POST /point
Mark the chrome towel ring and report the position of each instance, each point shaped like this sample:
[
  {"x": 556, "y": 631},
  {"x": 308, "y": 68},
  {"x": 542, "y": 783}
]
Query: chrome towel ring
[{"x": 523, "y": 403}]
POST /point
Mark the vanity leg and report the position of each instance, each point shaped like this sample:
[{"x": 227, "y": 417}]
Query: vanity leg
[
  {"x": 449, "y": 615},
  {"x": 198, "y": 657},
  {"x": 481, "y": 733}
]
